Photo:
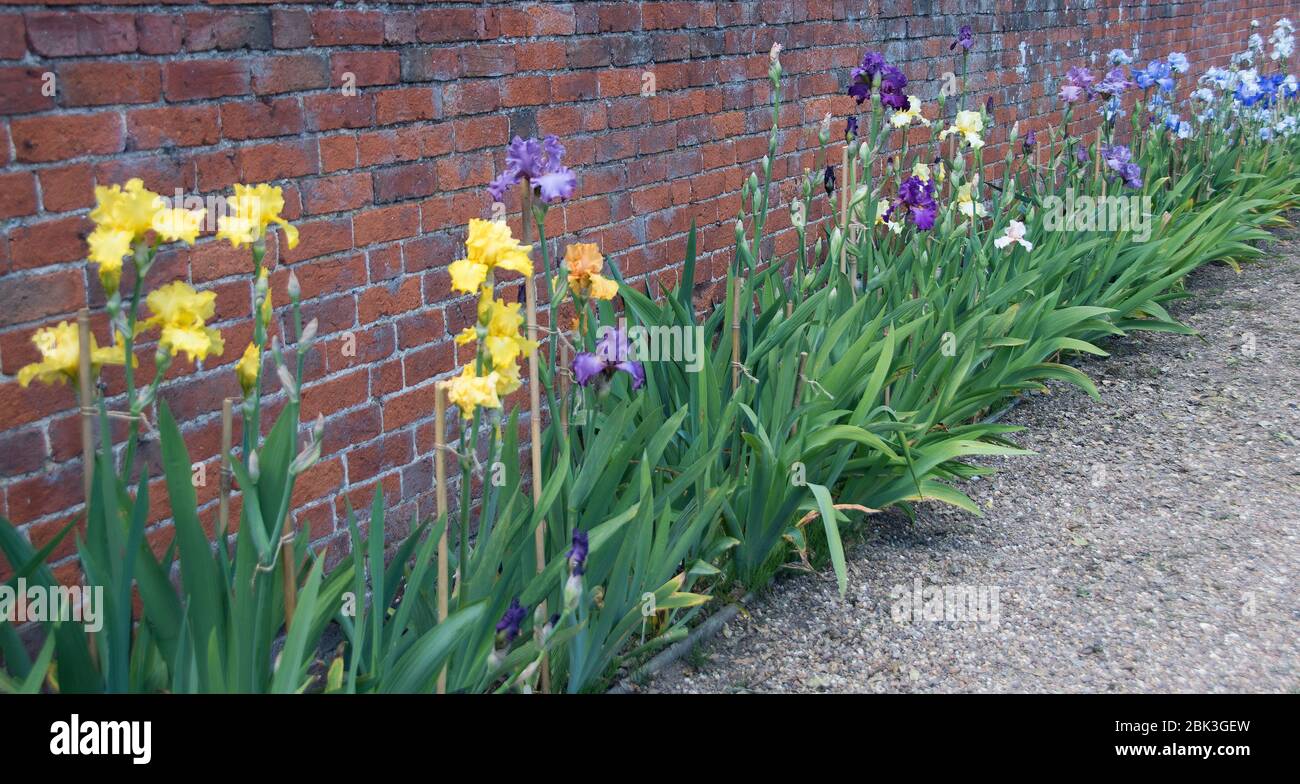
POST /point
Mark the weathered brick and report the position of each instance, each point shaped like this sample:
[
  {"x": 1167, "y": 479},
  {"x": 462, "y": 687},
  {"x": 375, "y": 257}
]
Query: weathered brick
[
  {"x": 174, "y": 126},
  {"x": 56, "y": 138},
  {"x": 384, "y": 224},
  {"x": 17, "y": 194},
  {"x": 193, "y": 79},
  {"x": 261, "y": 118},
  {"x": 22, "y": 90},
  {"x": 289, "y": 73},
  {"x": 69, "y": 34}
]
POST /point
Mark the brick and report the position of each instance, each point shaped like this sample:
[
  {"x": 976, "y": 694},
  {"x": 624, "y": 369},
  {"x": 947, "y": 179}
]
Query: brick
[
  {"x": 474, "y": 96},
  {"x": 386, "y": 147},
  {"x": 384, "y": 224},
  {"x": 17, "y": 195},
  {"x": 65, "y": 34},
  {"x": 329, "y": 111},
  {"x": 173, "y": 126},
  {"x": 290, "y": 29},
  {"x": 347, "y": 28},
  {"x": 66, "y": 188},
  {"x": 56, "y": 138},
  {"x": 277, "y": 160},
  {"x": 48, "y": 242},
  {"x": 525, "y": 91},
  {"x": 41, "y": 296},
  {"x": 261, "y": 118},
  {"x": 226, "y": 30},
  {"x": 160, "y": 33},
  {"x": 320, "y": 238},
  {"x": 405, "y": 105},
  {"x": 367, "y": 68},
  {"x": 479, "y": 132},
  {"x": 193, "y": 79},
  {"x": 13, "y": 37},
  {"x": 289, "y": 73},
  {"x": 21, "y": 90},
  {"x": 405, "y": 182},
  {"x": 337, "y": 193},
  {"x": 428, "y": 64}
]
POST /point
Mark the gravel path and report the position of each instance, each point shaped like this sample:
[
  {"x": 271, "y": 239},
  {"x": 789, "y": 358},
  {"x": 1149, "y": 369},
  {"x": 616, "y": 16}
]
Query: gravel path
[{"x": 1153, "y": 544}]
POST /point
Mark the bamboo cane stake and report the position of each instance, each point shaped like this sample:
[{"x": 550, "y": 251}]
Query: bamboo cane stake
[
  {"x": 535, "y": 409},
  {"x": 87, "y": 407},
  {"x": 440, "y": 475},
  {"x": 223, "y": 499},
  {"x": 535, "y": 432}
]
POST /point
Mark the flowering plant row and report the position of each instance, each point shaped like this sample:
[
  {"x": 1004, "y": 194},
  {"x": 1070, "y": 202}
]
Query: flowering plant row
[{"x": 854, "y": 377}]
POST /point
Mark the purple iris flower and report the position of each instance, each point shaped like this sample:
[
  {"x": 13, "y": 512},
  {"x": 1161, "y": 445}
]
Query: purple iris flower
[
  {"x": 1113, "y": 84},
  {"x": 893, "y": 83},
  {"x": 511, "y": 621},
  {"x": 1030, "y": 140},
  {"x": 578, "y": 553},
  {"x": 1081, "y": 154},
  {"x": 611, "y": 356},
  {"x": 965, "y": 39},
  {"x": 1118, "y": 159},
  {"x": 851, "y": 128},
  {"x": 917, "y": 197},
  {"x": 1157, "y": 73},
  {"x": 542, "y": 164},
  {"x": 828, "y": 180},
  {"x": 1078, "y": 83}
]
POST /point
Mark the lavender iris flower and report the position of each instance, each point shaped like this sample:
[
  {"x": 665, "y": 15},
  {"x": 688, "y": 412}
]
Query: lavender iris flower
[
  {"x": 1118, "y": 159},
  {"x": 1078, "y": 83},
  {"x": 1081, "y": 154},
  {"x": 965, "y": 39},
  {"x": 611, "y": 356},
  {"x": 542, "y": 164},
  {"x": 1178, "y": 61},
  {"x": 1113, "y": 84},
  {"x": 1030, "y": 140}
]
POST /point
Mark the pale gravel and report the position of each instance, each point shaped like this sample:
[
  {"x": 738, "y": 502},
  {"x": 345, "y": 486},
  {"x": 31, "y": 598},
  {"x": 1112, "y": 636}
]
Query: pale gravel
[{"x": 1152, "y": 544}]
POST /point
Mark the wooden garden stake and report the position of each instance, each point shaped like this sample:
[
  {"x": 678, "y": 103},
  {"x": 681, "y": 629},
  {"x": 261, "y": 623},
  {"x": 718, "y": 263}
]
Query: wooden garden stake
[
  {"x": 535, "y": 432},
  {"x": 87, "y": 404},
  {"x": 223, "y": 499},
  {"x": 440, "y": 476}
]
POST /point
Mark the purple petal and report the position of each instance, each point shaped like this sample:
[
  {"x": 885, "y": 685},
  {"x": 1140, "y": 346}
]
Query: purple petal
[
  {"x": 557, "y": 185},
  {"x": 634, "y": 369},
  {"x": 504, "y": 181},
  {"x": 525, "y": 157},
  {"x": 587, "y": 366}
]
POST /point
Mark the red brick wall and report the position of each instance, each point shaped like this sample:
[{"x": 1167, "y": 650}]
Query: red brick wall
[{"x": 198, "y": 97}]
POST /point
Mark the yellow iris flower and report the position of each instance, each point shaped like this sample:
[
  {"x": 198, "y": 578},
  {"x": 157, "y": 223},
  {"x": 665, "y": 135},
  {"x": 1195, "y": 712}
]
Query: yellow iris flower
[
  {"x": 128, "y": 208},
  {"x": 253, "y": 208},
  {"x": 910, "y": 115},
  {"x": 180, "y": 313},
  {"x": 969, "y": 124},
  {"x": 490, "y": 245},
  {"x": 60, "y": 355},
  {"x": 173, "y": 225},
  {"x": 468, "y": 391},
  {"x": 966, "y": 202},
  {"x": 108, "y": 246},
  {"x": 246, "y": 368}
]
